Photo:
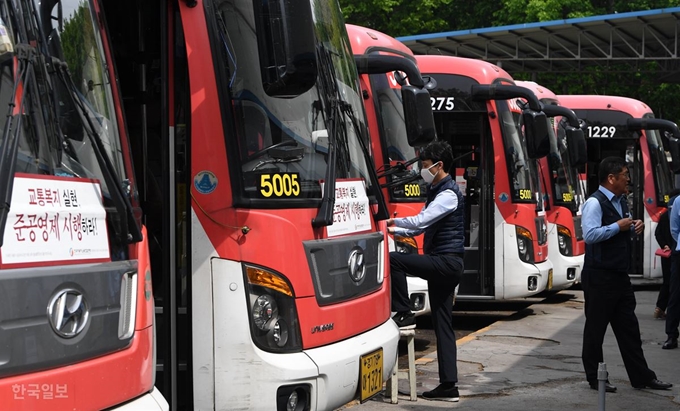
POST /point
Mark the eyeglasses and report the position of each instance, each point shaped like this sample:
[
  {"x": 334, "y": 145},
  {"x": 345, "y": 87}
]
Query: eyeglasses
[{"x": 624, "y": 174}]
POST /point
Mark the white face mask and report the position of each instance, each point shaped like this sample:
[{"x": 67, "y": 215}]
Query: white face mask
[{"x": 426, "y": 175}]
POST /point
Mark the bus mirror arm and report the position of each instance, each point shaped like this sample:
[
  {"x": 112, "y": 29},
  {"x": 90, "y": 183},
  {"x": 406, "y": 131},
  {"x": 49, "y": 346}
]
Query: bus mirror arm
[
  {"x": 377, "y": 64},
  {"x": 552, "y": 110},
  {"x": 672, "y": 136},
  {"x": 638, "y": 124},
  {"x": 505, "y": 92},
  {"x": 535, "y": 120},
  {"x": 576, "y": 142}
]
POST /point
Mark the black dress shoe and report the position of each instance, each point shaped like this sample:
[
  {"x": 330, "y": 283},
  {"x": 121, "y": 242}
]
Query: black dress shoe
[
  {"x": 404, "y": 319},
  {"x": 608, "y": 387},
  {"x": 670, "y": 344},
  {"x": 446, "y": 391},
  {"x": 655, "y": 385}
]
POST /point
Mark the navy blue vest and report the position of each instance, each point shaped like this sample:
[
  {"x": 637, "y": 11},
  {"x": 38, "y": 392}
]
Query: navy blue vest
[
  {"x": 612, "y": 254},
  {"x": 446, "y": 236}
]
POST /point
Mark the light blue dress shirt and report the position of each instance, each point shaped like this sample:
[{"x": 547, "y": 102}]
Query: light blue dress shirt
[
  {"x": 591, "y": 218},
  {"x": 675, "y": 220},
  {"x": 444, "y": 203}
]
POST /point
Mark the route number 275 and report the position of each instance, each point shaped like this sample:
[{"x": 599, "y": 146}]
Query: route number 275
[{"x": 442, "y": 103}]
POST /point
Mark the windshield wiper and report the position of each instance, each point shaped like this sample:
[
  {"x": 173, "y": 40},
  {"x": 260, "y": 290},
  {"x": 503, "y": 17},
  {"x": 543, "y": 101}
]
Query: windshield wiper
[
  {"x": 10, "y": 139},
  {"x": 124, "y": 223},
  {"x": 329, "y": 96},
  {"x": 382, "y": 213},
  {"x": 338, "y": 144}
]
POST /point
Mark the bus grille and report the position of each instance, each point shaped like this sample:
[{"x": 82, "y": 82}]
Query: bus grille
[{"x": 345, "y": 268}]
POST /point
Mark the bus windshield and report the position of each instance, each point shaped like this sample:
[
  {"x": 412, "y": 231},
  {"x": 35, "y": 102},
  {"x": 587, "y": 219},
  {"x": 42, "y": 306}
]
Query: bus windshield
[
  {"x": 84, "y": 108},
  {"x": 394, "y": 141},
  {"x": 564, "y": 176},
  {"x": 663, "y": 177},
  {"x": 521, "y": 171},
  {"x": 290, "y": 137}
]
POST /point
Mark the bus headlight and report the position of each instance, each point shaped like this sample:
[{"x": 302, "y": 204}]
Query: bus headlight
[
  {"x": 525, "y": 246},
  {"x": 564, "y": 240},
  {"x": 274, "y": 324},
  {"x": 263, "y": 311}
]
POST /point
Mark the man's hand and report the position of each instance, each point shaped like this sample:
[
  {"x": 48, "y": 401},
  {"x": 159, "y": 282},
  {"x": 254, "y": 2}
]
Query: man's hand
[
  {"x": 625, "y": 224},
  {"x": 390, "y": 222},
  {"x": 639, "y": 226},
  {"x": 390, "y": 230}
]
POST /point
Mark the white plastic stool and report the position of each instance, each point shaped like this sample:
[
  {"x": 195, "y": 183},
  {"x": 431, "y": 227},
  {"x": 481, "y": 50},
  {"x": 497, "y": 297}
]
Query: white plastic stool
[{"x": 392, "y": 389}]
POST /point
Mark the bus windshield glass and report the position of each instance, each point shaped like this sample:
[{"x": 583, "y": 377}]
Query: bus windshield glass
[
  {"x": 83, "y": 110},
  {"x": 663, "y": 177},
  {"x": 521, "y": 170},
  {"x": 287, "y": 140},
  {"x": 608, "y": 124},
  {"x": 387, "y": 99},
  {"x": 564, "y": 176}
]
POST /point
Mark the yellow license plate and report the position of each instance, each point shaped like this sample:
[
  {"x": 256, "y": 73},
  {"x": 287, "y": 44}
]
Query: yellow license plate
[
  {"x": 371, "y": 374},
  {"x": 550, "y": 279}
]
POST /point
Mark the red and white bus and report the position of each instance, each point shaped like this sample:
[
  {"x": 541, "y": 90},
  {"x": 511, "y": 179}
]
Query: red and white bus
[
  {"x": 255, "y": 211},
  {"x": 271, "y": 253},
  {"x": 76, "y": 306},
  {"x": 474, "y": 105},
  {"x": 559, "y": 175},
  {"x": 394, "y": 154},
  {"x": 625, "y": 127}
]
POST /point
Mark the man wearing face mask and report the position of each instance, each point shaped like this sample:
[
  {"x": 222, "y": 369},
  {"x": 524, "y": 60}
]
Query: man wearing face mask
[{"x": 442, "y": 220}]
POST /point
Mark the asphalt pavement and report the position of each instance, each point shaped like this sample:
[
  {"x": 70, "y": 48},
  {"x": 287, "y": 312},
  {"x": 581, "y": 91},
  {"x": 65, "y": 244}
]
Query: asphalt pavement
[{"x": 532, "y": 361}]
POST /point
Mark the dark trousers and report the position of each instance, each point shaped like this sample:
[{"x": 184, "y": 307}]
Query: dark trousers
[
  {"x": 673, "y": 308},
  {"x": 609, "y": 299},
  {"x": 662, "y": 299},
  {"x": 443, "y": 273}
]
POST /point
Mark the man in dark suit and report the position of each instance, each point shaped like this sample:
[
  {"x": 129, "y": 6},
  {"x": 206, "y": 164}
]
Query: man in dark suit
[
  {"x": 609, "y": 297},
  {"x": 667, "y": 243}
]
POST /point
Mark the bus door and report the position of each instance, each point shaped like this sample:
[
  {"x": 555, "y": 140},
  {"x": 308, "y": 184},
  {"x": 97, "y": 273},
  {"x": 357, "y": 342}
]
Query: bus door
[
  {"x": 470, "y": 137},
  {"x": 156, "y": 109},
  {"x": 600, "y": 147}
]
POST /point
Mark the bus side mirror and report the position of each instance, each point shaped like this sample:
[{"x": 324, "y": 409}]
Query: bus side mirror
[
  {"x": 418, "y": 118},
  {"x": 576, "y": 146},
  {"x": 536, "y": 133},
  {"x": 285, "y": 39},
  {"x": 674, "y": 149}
]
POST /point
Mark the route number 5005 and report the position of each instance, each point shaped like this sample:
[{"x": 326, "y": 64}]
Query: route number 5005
[{"x": 279, "y": 185}]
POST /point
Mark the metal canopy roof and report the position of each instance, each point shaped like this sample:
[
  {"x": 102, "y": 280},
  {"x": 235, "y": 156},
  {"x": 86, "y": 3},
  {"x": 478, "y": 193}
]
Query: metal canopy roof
[{"x": 568, "y": 45}]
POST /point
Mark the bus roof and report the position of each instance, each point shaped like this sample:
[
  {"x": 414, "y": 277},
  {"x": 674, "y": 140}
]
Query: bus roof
[
  {"x": 482, "y": 71},
  {"x": 365, "y": 40},
  {"x": 541, "y": 92},
  {"x": 635, "y": 108}
]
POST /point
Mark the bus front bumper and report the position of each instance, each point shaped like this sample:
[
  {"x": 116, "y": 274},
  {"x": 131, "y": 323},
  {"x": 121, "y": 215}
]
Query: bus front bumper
[{"x": 151, "y": 401}]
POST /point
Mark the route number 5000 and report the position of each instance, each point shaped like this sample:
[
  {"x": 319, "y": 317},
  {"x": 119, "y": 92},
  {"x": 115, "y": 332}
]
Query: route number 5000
[{"x": 279, "y": 185}]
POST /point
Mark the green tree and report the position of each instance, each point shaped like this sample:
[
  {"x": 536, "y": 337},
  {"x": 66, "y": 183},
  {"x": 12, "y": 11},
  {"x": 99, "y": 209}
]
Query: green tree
[
  {"x": 76, "y": 41},
  {"x": 398, "y": 17},
  {"x": 402, "y": 18},
  {"x": 525, "y": 11}
]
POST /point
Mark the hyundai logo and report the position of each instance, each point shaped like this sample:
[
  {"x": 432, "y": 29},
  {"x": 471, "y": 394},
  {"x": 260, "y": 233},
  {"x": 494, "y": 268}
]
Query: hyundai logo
[
  {"x": 356, "y": 264},
  {"x": 68, "y": 312}
]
